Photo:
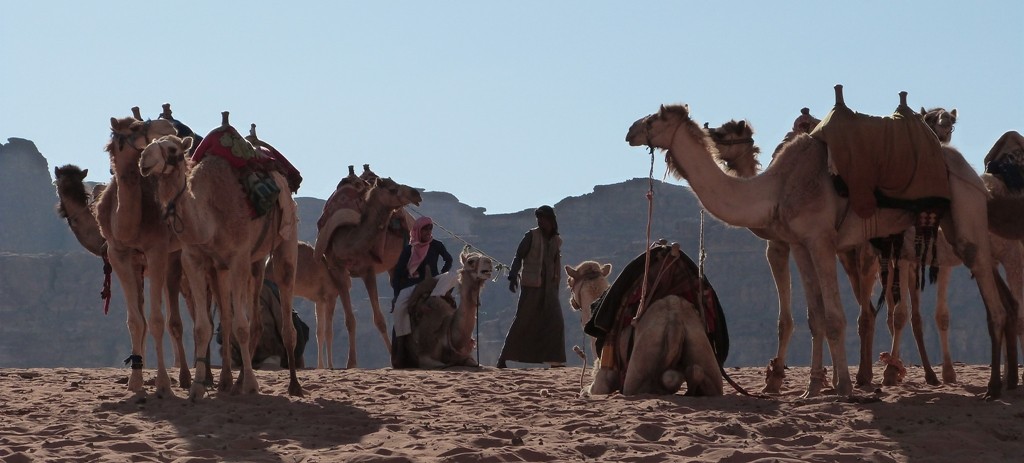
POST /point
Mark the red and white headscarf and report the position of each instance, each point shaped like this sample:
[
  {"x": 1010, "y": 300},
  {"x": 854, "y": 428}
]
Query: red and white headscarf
[{"x": 419, "y": 248}]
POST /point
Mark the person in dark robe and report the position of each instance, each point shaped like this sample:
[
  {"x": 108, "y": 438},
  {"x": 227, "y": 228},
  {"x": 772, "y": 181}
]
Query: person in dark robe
[
  {"x": 537, "y": 334},
  {"x": 417, "y": 262}
]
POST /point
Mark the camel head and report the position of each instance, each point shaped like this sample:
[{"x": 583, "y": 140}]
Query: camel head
[
  {"x": 941, "y": 122},
  {"x": 70, "y": 181},
  {"x": 736, "y": 149},
  {"x": 671, "y": 124},
  {"x": 475, "y": 266},
  {"x": 586, "y": 282},
  {"x": 164, "y": 155},
  {"x": 392, "y": 194},
  {"x": 129, "y": 136}
]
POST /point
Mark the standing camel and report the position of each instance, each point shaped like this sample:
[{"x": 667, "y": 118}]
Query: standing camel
[
  {"x": 76, "y": 206},
  {"x": 738, "y": 153},
  {"x": 138, "y": 242},
  {"x": 442, "y": 334},
  {"x": 312, "y": 282},
  {"x": 587, "y": 282},
  {"x": 224, "y": 247},
  {"x": 794, "y": 197},
  {"x": 364, "y": 248}
]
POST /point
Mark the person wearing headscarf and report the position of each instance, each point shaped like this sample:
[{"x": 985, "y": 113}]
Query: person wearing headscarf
[
  {"x": 537, "y": 334},
  {"x": 418, "y": 260}
]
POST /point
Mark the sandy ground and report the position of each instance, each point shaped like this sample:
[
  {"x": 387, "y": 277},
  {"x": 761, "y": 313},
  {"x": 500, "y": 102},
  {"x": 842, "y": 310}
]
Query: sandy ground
[{"x": 72, "y": 414}]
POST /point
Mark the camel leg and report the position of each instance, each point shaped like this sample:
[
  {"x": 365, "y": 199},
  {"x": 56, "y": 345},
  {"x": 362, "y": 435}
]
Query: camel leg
[
  {"x": 174, "y": 324},
  {"x": 861, "y": 266},
  {"x": 156, "y": 263},
  {"x": 1011, "y": 256},
  {"x": 202, "y": 326},
  {"x": 942, "y": 325},
  {"x": 777, "y": 255},
  {"x": 343, "y": 283},
  {"x": 822, "y": 251},
  {"x": 815, "y": 319},
  {"x": 658, "y": 339},
  {"x": 972, "y": 247},
  {"x": 370, "y": 281},
  {"x": 130, "y": 276},
  {"x": 236, "y": 284},
  {"x": 286, "y": 256},
  {"x": 898, "y": 321}
]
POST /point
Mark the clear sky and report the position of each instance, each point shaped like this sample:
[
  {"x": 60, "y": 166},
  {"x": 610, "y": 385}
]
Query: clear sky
[{"x": 507, "y": 105}]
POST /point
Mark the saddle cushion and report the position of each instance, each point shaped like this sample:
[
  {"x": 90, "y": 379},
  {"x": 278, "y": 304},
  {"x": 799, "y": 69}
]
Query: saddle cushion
[{"x": 899, "y": 156}]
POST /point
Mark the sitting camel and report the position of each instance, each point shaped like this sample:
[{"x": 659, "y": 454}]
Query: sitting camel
[
  {"x": 224, "y": 247},
  {"x": 364, "y": 245},
  {"x": 796, "y": 199},
  {"x": 442, "y": 334},
  {"x": 587, "y": 282},
  {"x": 656, "y": 349}
]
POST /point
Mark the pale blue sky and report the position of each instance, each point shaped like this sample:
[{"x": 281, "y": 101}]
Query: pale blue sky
[{"x": 507, "y": 105}]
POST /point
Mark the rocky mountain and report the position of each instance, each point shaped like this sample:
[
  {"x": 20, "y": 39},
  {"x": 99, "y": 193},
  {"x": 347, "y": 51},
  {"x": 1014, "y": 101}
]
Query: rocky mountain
[{"x": 51, "y": 314}]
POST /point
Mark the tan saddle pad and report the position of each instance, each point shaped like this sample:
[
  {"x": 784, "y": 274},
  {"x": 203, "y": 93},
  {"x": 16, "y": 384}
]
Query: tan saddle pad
[{"x": 899, "y": 156}]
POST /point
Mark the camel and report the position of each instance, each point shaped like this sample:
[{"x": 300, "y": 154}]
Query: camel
[
  {"x": 363, "y": 248},
  {"x": 738, "y": 154},
  {"x": 587, "y": 282},
  {"x": 1008, "y": 253},
  {"x": 794, "y": 198},
  {"x": 654, "y": 350},
  {"x": 224, "y": 247},
  {"x": 442, "y": 334},
  {"x": 76, "y": 206},
  {"x": 138, "y": 244},
  {"x": 941, "y": 122},
  {"x": 314, "y": 283}
]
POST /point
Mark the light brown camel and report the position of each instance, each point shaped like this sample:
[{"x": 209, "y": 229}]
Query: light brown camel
[
  {"x": 666, "y": 344},
  {"x": 794, "y": 198},
  {"x": 76, "y": 206},
  {"x": 365, "y": 249},
  {"x": 941, "y": 122},
  {"x": 738, "y": 154},
  {"x": 587, "y": 282},
  {"x": 312, "y": 282},
  {"x": 442, "y": 334},
  {"x": 1008, "y": 253},
  {"x": 138, "y": 243},
  {"x": 224, "y": 248}
]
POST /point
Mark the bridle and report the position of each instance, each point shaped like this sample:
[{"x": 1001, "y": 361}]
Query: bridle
[{"x": 574, "y": 289}]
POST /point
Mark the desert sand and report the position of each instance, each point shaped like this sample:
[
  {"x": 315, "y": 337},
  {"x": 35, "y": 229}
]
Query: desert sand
[{"x": 491, "y": 415}]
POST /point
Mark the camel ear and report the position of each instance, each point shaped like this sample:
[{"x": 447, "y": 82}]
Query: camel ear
[
  {"x": 56, "y": 172},
  {"x": 606, "y": 269},
  {"x": 186, "y": 143},
  {"x": 743, "y": 125},
  {"x": 113, "y": 122},
  {"x": 462, "y": 258},
  {"x": 85, "y": 172},
  {"x": 571, "y": 272},
  {"x": 923, "y": 112},
  {"x": 953, "y": 112}
]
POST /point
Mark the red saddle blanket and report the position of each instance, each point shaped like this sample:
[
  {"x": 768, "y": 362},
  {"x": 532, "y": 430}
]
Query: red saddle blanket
[
  {"x": 225, "y": 142},
  {"x": 899, "y": 156}
]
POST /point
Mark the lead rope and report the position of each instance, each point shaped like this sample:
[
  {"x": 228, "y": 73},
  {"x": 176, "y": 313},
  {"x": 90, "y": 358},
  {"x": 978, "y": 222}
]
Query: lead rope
[{"x": 647, "y": 252}]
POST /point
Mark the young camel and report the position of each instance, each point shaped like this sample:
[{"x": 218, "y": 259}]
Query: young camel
[
  {"x": 587, "y": 282},
  {"x": 442, "y": 334},
  {"x": 138, "y": 243},
  {"x": 795, "y": 198},
  {"x": 224, "y": 249}
]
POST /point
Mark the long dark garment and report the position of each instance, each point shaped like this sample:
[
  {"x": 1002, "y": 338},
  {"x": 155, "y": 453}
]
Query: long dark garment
[{"x": 537, "y": 334}]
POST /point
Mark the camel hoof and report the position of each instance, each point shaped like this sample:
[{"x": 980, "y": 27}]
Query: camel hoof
[
  {"x": 295, "y": 390},
  {"x": 135, "y": 382},
  {"x": 196, "y": 393},
  {"x": 351, "y": 365},
  {"x": 864, "y": 378},
  {"x": 184, "y": 379},
  {"x": 931, "y": 378}
]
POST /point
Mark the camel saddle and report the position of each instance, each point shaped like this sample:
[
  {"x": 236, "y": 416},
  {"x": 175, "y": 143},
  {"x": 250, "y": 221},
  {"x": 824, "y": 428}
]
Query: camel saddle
[
  {"x": 670, "y": 273},
  {"x": 1006, "y": 161},
  {"x": 252, "y": 163},
  {"x": 896, "y": 157}
]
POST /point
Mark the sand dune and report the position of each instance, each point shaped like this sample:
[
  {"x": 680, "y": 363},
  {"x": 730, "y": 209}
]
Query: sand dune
[{"x": 490, "y": 415}]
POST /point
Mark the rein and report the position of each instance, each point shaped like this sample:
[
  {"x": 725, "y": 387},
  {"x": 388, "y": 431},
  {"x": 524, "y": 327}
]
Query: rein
[{"x": 171, "y": 211}]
